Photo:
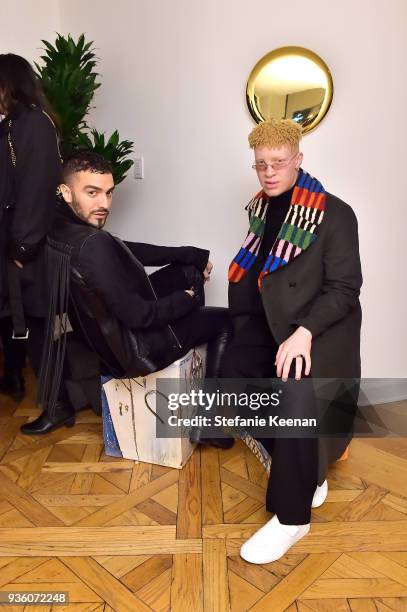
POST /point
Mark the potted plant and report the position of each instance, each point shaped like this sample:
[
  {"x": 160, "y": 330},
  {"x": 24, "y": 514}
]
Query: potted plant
[{"x": 69, "y": 80}]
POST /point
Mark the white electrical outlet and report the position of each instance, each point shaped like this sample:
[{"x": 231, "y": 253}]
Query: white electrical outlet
[{"x": 138, "y": 167}]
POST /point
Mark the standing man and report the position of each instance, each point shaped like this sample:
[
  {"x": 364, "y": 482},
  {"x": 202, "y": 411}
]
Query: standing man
[{"x": 294, "y": 299}]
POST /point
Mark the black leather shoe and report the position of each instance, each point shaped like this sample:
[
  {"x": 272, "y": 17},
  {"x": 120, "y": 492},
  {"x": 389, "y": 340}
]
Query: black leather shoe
[
  {"x": 12, "y": 384},
  {"x": 224, "y": 443},
  {"x": 197, "y": 435},
  {"x": 45, "y": 423}
]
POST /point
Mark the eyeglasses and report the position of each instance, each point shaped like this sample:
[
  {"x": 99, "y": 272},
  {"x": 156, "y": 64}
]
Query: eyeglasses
[{"x": 276, "y": 165}]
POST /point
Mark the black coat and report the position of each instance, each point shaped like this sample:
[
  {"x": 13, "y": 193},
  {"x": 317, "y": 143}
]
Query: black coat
[
  {"x": 27, "y": 202},
  {"x": 114, "y": 273},
  {"x": 124, "y": 287},
  {"x": 320, "y": 289}
]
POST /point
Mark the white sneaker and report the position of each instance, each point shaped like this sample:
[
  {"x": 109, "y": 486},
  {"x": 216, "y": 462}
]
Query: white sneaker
[
  {"x": 272, "y": 541},
  {"x": 320, "y": 495}
]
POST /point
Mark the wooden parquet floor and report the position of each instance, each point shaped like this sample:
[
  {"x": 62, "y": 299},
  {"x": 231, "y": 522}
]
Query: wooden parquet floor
[{"x": 126, "y": 536}]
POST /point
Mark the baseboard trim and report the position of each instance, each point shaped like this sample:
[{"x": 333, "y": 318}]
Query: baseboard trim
[{"x": 382, "y": 390}]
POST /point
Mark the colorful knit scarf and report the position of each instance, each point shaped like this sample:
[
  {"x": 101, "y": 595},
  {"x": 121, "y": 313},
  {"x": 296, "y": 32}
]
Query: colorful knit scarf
[{"x": 297, "y": 233}]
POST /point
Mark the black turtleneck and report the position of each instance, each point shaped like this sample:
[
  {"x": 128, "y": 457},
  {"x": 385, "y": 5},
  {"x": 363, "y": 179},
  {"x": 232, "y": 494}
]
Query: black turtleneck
[
  {"x": 276, "y": 213},
  {"x": 244, "y": 296}
]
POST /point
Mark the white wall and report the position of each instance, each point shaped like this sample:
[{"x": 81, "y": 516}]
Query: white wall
[
  {"x": 24, "y": 23},
  {"x": 174, "y": 74}
]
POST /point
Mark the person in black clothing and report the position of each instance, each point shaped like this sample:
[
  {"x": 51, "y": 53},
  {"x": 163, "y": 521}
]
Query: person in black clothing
[
  {"x": 294, "y": 300},
  {"x": 163, "y": 310},
  {"x": 30, "y": 173}
]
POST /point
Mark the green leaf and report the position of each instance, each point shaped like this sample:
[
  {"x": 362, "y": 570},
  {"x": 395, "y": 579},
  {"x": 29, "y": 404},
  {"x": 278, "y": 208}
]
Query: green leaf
[
  {"x": 111, "y": 149},
  {"x": 69, "y": 78}
]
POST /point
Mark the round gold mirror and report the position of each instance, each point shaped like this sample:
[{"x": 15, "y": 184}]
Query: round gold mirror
[{"x": 290, "y": 83}]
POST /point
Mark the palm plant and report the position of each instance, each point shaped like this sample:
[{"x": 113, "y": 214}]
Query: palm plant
[
  {"x": 69, "y": 81},
  {"x": 112, "y": 149}
]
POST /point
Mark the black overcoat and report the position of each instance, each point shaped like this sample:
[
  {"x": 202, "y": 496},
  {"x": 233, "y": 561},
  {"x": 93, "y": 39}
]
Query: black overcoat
[
  {"x": 320, "y": 290},
  {"x": 27, "y": 202}
]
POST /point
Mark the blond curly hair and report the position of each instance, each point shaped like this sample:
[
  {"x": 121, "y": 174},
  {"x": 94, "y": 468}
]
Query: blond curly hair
[{"x": 275, "y": 133}]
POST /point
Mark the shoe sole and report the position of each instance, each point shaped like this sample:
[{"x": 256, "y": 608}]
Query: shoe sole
[
  {"x": 320, "y": 503},
  {"x": 274, "y": 559}
]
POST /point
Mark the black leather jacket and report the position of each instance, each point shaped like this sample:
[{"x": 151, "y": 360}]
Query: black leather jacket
[{"x": 114, "y": 271}]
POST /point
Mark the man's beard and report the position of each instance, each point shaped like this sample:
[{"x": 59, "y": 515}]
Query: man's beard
[{"x": 88, "y": 218}]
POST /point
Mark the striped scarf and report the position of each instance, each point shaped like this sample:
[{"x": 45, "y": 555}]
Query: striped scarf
[{"x": 297, "y": 233}]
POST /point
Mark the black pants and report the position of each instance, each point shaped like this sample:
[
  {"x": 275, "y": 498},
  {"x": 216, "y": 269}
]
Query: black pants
[
  {"x": 15, "y": 351},
  {"x": 294, "y": 470},
  {"x": 209, "y": 325},
  {"x": 206, "y": 325}
]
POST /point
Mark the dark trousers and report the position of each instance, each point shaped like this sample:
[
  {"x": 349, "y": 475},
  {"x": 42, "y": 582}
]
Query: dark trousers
[
  {"x": 15, "y": 351},
  {"x": 294, "y": 470},
  {"x": 206, "y": 325}
]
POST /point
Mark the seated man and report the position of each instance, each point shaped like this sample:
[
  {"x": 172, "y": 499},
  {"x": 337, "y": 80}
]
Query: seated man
[{"x": 164, "y": 309}]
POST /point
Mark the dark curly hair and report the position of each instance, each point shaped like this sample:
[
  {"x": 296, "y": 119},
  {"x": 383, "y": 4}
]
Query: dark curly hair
[{"x": 85, "y": 161}]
